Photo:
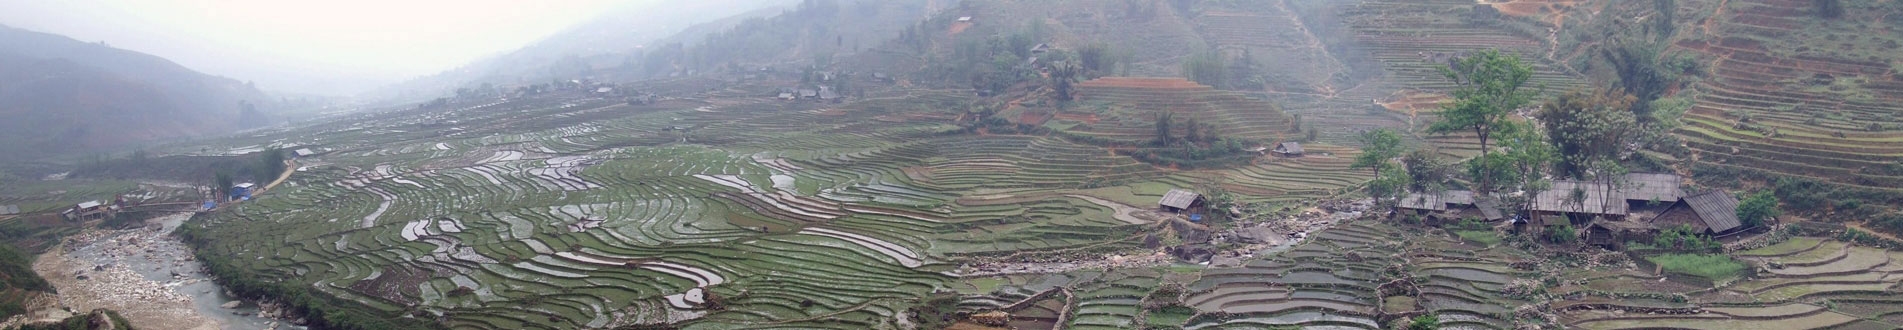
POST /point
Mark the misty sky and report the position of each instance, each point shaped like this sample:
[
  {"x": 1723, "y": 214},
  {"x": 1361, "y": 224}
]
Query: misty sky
[{"x": 330, "y": 46}]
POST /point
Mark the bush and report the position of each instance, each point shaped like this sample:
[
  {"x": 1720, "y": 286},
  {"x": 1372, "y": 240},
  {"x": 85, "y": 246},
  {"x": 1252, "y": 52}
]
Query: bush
[
  {"x": 1752, "y": 211},
  {"x": 1715, "y": 267},
  {"x": 1424, "y": 322},
  {"x": 1561, "y": 234}
]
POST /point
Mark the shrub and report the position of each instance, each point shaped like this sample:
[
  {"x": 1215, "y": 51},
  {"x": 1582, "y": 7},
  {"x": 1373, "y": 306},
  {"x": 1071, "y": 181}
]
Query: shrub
[
  {"x": 1752, "y": 211},
  {"x": 1561, "y": 234},
  {"x": 1424, "y": 322}
]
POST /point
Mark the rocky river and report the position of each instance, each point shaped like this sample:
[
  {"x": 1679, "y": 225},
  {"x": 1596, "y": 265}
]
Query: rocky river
[{"x": 148, "y": 276}]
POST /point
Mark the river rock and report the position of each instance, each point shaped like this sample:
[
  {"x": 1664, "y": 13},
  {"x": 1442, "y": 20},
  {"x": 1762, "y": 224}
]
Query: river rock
[{"x": 230, "y": 305}]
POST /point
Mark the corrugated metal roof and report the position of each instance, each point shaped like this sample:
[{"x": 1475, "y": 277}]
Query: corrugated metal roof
[
  {"x": 89, "y": 204},
  {"x": 1717, "y": 209},
  {"x": 1419, "y": 201},
  {"x": 1178, "y": 198},
  {"x": 1560, "y": 198},
  {"x": 1652, "y": 186},
  {"x": 10, "y": 209}
]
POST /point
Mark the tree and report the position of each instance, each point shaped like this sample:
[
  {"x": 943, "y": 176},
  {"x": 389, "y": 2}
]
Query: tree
[
  {"x": 1207, "y": 68},
  {"x": 1488, "y": 90},
  {"x": 1589, "y": 133},
  {"x": 1378, "y": 147},
  {"x": 1193, "y": 130},
  {"x": 1097, "y": 59},
  {"x": 270, "y": 164},
  {"x": 1754, "y": 210},
  {"x": 1426, "y": 171},
  {"x": 221, "y": 183},
  {"x": 1524, "y": 151},
  {"x": 1063, "y": 75},
  {"x": 1163, "y": 129}
]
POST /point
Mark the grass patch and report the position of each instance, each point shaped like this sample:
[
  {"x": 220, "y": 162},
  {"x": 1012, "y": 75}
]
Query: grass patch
[
  {"x": 1484, "y": 238},
  {"x": 1714, "y": 267},
  {"x": 1169, "y": 316}
]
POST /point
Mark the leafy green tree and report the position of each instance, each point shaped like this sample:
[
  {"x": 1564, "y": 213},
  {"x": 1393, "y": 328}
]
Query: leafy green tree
[
  {"x": 1426, "y": 171},
  {"x": 270, "y": 165},
  {"x": 1063, "y": 76},
  {"x": 1489, "y": 87},
  {"x": 1524, "y": 151},
  {"x": 1754, "y": 210},
  {"x": 1378, "y": 148},
  {"x": 223, "y": 183}
]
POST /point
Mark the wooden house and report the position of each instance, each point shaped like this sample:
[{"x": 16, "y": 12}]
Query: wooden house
[
  {"x": 1179, "y": 201},
  {"x": 1713, "y": 212},
  {"x": 1288, "y": 149}
]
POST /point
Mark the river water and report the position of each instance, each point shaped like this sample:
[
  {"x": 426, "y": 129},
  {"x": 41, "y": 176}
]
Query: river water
[{"x": 147, "y": 275}]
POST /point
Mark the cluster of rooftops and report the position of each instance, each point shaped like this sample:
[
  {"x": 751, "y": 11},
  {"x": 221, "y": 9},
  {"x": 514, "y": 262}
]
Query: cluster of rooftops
[{"x": 1641, "y": 199}]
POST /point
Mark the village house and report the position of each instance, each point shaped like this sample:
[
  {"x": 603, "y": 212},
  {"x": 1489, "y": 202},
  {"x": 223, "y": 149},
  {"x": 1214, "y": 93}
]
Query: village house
[
  {"x": 1713, "y": 213},
  {"x": 89, "y": 210},
  {"x": 1180, "y": 201},
  {"x": 1449, "y": 207},
  {"x": 1288, "y": 149}
]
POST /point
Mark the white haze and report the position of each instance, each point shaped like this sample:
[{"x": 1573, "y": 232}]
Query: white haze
[{"x": 326, "y": 47}]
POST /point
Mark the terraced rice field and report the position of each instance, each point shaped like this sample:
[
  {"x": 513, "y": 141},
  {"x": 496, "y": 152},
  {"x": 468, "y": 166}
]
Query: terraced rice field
[
  {"x": 542, "y": 213},
  {"x": 1811, "y": 93},
  {"x": 1126, "y": 109},
  {"x": 1811, "y": 283}
]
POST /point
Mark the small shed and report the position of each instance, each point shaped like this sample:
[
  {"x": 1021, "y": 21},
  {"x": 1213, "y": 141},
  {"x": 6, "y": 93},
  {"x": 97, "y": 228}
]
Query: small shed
[
  {"x": 1178, "y": 200},
  {"x": 242, "y": 191},
  {"x": 1289, "y": 149},
  {"x": 1614, "y": 234},
  {"x": 964, "y": 19}
]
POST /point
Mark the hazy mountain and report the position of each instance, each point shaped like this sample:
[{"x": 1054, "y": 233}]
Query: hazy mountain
[
  {"x": 61, "y": 97},
  {"x": 610, "y": 40}
]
